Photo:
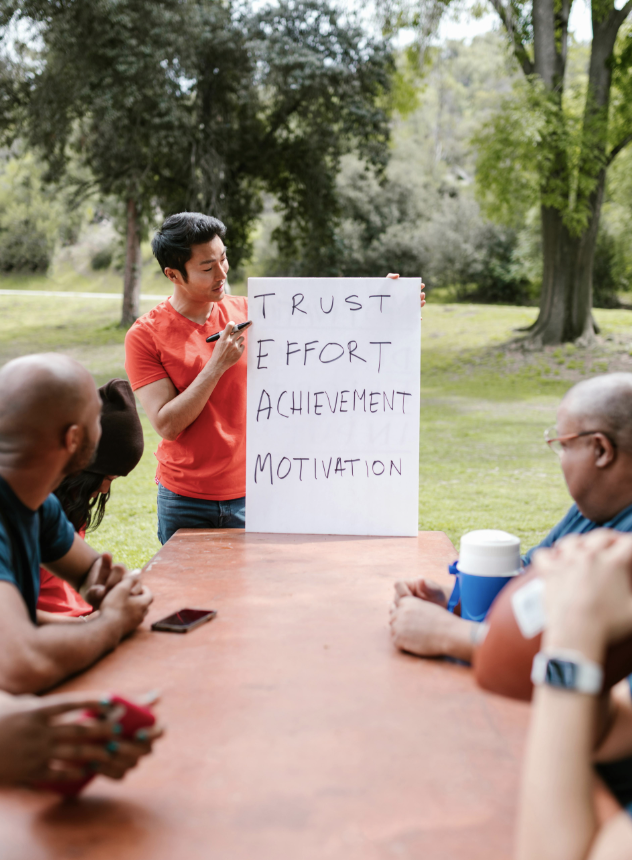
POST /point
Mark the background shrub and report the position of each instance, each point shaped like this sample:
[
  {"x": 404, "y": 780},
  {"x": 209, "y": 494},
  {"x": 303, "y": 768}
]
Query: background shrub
[{"x": 102, "y": 259}]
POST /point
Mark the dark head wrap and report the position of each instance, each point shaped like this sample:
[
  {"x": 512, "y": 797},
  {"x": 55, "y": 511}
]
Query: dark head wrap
[{"x": 121, "y": 445}]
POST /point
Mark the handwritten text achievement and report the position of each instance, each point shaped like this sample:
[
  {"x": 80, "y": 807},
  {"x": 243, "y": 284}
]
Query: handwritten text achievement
[{"x": 333, "y": 406}]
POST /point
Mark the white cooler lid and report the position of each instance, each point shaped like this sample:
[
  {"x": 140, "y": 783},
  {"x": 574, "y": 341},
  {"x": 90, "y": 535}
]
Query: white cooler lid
[{"x": 490, "y": 552}]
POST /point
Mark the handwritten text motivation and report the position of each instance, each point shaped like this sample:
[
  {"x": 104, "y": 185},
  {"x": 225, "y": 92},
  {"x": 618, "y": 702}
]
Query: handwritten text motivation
[
  {"x": 266, "y": 467},
  {"x": 333, "y": 406}
]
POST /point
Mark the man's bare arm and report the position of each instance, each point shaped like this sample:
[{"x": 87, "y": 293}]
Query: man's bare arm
[
  {"x": 44, "y": 617},
  {"x": 36, "y": 658},
  {"x": 75, "y": 566},
  {"x": 428, "y": 630},
  {"x": 90, "y": 573},
  {"x": 169, "y": 412},
  {"x": 588, "y": 604}
]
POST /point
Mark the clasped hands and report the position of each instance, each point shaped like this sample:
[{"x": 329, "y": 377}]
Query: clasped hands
[
  {"x": 418, "y": 618},
  {"x": 588, "y": 600},
  {"x": 104, "y": 576}
]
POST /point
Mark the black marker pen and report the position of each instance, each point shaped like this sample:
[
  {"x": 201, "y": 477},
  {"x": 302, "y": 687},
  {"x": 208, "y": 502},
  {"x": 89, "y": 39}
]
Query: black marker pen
[{"x": 238, "y": 327}]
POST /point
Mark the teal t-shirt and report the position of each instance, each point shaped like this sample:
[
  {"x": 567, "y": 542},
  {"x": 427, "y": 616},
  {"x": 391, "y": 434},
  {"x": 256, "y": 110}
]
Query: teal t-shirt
[
  {"x": 33, "y": 538},
  {"x": 575, "y": 523}
]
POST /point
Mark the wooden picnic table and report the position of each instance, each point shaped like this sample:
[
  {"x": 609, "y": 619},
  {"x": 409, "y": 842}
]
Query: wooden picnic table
[{"x": 295, "y": 730}]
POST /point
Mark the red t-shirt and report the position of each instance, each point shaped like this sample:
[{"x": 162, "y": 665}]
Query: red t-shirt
[
  {"x": 208, "y": 459},
  {"x": 56, "y": 595}
]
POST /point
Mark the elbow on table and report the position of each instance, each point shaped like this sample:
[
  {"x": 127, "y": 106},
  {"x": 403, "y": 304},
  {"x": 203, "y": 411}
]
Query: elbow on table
[{"x": 28, "y": 671}]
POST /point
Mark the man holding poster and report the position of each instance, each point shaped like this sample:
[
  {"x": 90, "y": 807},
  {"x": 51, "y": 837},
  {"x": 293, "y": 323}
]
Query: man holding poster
[{"x": 194, "y": 393}]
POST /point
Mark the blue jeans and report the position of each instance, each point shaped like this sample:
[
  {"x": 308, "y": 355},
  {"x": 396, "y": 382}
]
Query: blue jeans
[{"x": 184, "y": 512}]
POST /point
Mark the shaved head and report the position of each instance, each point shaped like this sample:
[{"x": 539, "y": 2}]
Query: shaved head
[
  {"x": 41, "y": 397},
  {"x": 604, "y": 403}
]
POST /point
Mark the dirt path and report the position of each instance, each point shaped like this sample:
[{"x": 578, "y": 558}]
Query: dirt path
[{"x": 71, "y": 294}]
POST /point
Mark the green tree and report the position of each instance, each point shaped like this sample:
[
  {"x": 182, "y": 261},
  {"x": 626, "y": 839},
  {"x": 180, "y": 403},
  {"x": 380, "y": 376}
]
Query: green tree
[
  {"x": 618, "y": 217},
  {"x": 558, "y": 143},
  {"x": 106, "y": 86},
  {"x": 423, "y": 209},
  {"x": 326, "y": 87},
  {"x": 186, "y": 104},
  {"x": 279, "y": 97},
  {"x": 31, "y": 213}
]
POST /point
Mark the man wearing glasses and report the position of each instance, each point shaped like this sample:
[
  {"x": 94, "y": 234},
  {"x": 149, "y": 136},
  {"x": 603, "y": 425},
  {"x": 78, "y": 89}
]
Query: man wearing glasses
[{"x": 593, "y": 440}]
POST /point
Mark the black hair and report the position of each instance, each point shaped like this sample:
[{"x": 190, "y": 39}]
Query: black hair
[
  {"x": 172, "y": 243},
  {"x": 75, "y": 494}
]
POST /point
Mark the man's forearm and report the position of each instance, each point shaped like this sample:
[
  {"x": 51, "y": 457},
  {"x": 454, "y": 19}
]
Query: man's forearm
[
  {"x": 75, "y": 566},
  {"x": 179, "y": 413},
  {"x": 461, "y": 637},
  {"x": 55, "y": 651},
  {"x": 557, "y": 819},
  {"x": 44, "y": 617}
]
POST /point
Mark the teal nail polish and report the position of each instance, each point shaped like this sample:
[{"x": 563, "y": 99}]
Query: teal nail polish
[
  {"x": 142, "y": 735},
  {"x": 111, "y": 746},
  {"x": 105, "y": 702},
  {"x": 117, "y": 728}
]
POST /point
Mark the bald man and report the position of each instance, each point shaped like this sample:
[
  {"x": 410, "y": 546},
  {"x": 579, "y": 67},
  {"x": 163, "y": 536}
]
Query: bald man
[
  {"x": 593, "y": 439},
  {"x": 49, "y": 428}
]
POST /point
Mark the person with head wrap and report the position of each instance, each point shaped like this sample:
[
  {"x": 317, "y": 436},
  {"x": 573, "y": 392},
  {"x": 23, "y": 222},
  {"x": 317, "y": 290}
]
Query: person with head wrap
[{"x": 83, "y": 496}]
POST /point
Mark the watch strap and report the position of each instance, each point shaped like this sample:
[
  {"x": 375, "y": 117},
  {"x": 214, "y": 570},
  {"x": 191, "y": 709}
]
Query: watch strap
[{"x": 567, "y": 670}]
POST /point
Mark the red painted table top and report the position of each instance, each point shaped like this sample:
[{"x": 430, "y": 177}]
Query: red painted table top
[{"x": 295, "y": 731}]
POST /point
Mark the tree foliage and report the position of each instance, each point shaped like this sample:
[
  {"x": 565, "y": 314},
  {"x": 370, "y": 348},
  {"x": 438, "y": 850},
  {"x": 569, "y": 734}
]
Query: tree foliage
[
  {"x": 517, "y": 148},
  {"x": 556, "y": 142},
  {"x": 192, "y": 104},
  {"x": 326, "y": 88},
  {"x": 419, "y": 216},
  {"x": 104, "y": 86},
  {"x": 435, "y": 231},
  {"x": 31, "y": 212}
]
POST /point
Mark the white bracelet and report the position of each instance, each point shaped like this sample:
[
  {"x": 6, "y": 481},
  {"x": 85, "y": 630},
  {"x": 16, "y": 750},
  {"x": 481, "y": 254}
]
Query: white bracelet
[{"x": 567, "y": 669}]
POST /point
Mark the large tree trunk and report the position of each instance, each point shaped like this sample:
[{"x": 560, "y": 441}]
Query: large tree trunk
[
  {"x": 568, "y": 258},
  {"x": 133, "y": 262},
  {"x": 566, "y": 300},
  {"x": 567, "y": 280}
]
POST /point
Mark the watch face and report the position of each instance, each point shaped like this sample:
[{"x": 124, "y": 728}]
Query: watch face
[{"x": 561, "y": 673}]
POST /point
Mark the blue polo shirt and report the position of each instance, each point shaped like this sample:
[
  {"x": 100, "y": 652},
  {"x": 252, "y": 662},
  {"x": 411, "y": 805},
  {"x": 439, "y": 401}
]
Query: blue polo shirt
[
  {"x": 575, "y": 523},
  {"x": 35, "y": 537}
]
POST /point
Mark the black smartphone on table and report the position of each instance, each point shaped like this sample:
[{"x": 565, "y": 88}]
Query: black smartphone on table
[{"x": 184, "y": 620}]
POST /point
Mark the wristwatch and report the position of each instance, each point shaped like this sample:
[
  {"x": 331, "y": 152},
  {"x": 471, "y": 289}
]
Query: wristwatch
[{"x": 567, "y": 670}]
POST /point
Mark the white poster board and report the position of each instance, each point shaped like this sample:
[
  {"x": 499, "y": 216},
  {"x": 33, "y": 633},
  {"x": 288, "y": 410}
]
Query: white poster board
[{"x": 333, "y": 406}]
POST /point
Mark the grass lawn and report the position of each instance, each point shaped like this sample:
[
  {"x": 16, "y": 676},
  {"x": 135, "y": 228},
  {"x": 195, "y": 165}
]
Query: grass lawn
[{"x": 485, "y": 404}]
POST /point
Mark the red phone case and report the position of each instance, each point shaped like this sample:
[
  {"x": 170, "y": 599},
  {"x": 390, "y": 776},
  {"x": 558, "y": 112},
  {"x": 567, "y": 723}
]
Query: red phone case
[{"x": 135, "y": 717}]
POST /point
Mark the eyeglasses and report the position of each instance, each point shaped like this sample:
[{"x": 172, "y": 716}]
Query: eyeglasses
[{"x": 556, "y": 443}]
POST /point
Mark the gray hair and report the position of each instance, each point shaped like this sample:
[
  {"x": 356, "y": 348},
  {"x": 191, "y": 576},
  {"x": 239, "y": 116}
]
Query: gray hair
[{"x": 604, "y": 403}]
